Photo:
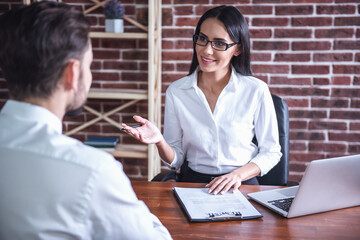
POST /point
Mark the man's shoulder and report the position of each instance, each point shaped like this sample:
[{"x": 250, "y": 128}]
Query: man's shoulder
[{"x": 78, "y": 153}]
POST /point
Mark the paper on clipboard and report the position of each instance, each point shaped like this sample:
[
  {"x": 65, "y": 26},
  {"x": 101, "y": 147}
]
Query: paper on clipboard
[{"x": 201, "y": 206}]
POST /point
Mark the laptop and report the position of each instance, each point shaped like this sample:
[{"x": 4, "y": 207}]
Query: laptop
[{"x": 327, "y": 184}]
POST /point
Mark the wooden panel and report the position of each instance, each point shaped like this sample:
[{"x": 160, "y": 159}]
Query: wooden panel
[
  {"x": 118, "y": 35},
  {"x": 130, "y": 151},
  {"x": 97, "y": 93}
]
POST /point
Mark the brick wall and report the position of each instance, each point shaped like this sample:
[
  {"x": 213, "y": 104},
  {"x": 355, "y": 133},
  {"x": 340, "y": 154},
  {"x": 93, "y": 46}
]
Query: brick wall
[{"x": 307, "y": 51}]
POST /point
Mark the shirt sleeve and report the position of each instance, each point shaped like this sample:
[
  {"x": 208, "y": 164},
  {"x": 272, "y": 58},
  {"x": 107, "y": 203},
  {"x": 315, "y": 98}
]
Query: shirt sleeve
[
  {"x": 116, "y": 211},
  {"x": 267, "y": 134},
  {"x": 172, "y": 131}
]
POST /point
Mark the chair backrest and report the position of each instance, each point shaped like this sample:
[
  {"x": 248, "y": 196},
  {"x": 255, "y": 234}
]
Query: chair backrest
[{"x": 280, "y": 173}]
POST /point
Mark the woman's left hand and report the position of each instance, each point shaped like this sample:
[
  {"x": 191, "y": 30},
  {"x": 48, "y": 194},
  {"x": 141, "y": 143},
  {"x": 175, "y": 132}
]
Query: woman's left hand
[
  {"x": 233, "y": 179},
  {"x": 223, "y": 183}
]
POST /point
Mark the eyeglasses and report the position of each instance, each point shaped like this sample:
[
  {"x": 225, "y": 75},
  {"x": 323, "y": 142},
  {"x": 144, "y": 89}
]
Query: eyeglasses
[{"x": 217, "y": 45}]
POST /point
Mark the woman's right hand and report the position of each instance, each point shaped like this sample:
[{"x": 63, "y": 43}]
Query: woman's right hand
[{"x": 148, "y": 133}]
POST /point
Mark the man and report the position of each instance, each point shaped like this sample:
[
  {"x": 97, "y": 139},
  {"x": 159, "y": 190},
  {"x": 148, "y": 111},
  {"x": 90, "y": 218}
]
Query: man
[{"x": 53, "y": 186}]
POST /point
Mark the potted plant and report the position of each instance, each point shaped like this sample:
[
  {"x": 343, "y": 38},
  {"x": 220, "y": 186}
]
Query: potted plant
[{"x": 114, "y": 13}]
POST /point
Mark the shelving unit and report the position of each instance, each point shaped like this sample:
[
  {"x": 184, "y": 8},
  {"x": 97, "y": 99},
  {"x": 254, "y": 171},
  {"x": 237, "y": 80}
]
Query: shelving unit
[{"x": 152, "y": 94}]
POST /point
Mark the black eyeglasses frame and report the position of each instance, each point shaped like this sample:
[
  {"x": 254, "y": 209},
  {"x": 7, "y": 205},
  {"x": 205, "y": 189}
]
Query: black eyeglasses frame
[{"x": 227, "y": 45}]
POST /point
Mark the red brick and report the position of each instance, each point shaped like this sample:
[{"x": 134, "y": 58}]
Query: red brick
[
  {"x": 134, "y": 76},
  {"x": 183, "y": 10},
  {"x": 170, "y": 77},
  {"x": 341, "y": 114},
  {"x": 290, "y": 81},
  {"x": 311, "y": 21},
  {"x": 105, "y": 76},
  {"x": 102, "y": 54},
  {"x": 293, "y": 33},
  {"x": 348, "y": 45},
  {"x": 167, "y": 17},
  {"x": 191, "y": 2},
  {"x": 327, "y": 147},
  {"x": 260, "y": 33},
  {"x": 321, "y": 81},
  {"x": 290, "y": 91},
  {"x": 345, "y": 92},
  {"x": 330, "y": 103},
  {"x": 167, "y": 44},
  {"x": 354, "y": 126},
  {"x": 310, "y": 69},
  {"x": 294, "y": 10},
  {"x": 182, "y": 67},
  {"x": 340, "y": 80},
  {"x": 118, "y": 43},
  {"x": 293, "y": 102},
  {"x": 135, "y": 55},
  {"x": 307, "y": 135},
  {"x": 298, "y": 167},
  {"x": 306, "y": 157},
  {"x": 346, "y": 69},
  {"x": 255, "y": 10},
  {"x": 356, "y": 80},
  {"x": 297, "y": 124},
  {"x": 270, "y": 1},
  {"x": 270, "y": 22},
  {"x": 327, "y": 125},
  {"x": 95, "y": 65},
  {"x": 267, "y": 45},
  {"x": 270, "y": 68},
  {"x": 184, "y": 44},
  {"x": 166, "y": 56},
  {"x": 335, "y": 9},
  {"x": 334, "y": 33},
  {"x": 119, "y": 85},
  {"x": 266, "y": 57},
  {"x": 344, "y": 136},
  {"x": 333, "y": 57},
  {"x": 121, "y": 65},
  {"x": 347, "y": 21},
  {"x": 312, "y": 114},
  {"x": 354, "y": 148},
  {"x": 292, "y": 57},
  {"x": 167, "y": 67},
  {"x": 178, "y": 33},
  {"x": 313, "y": 1},
  {"x": 311, "y": 45},
  {"x": 357, "y": 57},
  {"x": 230, "y": 2},
  {"x": 187, "y": 21},
  {"x": 355, "y": 103}
]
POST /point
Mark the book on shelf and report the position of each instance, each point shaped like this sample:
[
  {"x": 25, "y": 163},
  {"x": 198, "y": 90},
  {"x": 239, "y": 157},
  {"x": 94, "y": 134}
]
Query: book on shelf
[{"x": 103, "y": 143}]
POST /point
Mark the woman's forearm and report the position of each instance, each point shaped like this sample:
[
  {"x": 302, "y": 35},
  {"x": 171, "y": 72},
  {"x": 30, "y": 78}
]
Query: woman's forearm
[{"x": 166, "y": 152}]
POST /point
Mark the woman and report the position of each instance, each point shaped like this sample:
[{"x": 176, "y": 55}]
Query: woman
[{"x": 212, "y": 115}]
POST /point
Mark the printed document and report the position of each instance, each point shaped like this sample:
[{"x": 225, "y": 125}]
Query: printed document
[{"x": 202, "y": 206}]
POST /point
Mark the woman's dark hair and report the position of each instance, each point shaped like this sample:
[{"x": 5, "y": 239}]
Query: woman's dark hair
[
  {"x": 36, "y": 44},
  {"x": 237, "y": 28}
]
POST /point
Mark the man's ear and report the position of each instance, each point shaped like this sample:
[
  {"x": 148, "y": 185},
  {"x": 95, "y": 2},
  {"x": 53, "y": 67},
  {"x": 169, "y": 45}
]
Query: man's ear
[
  {"x": 71, "y": 75},
  {"x": 238, "y": 50}
]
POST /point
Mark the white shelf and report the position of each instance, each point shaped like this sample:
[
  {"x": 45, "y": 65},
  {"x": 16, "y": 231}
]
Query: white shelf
[
  {"x": 97, "y": 93},
  {"x": 119, "y": 35}
]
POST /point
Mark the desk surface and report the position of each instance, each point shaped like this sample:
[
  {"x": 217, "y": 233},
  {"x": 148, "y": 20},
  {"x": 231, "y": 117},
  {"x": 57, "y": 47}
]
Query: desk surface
[{"x": 159, "y": 197}]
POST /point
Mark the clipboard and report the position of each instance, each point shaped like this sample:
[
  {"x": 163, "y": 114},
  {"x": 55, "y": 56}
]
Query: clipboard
[{"x": 201, "y": 206}]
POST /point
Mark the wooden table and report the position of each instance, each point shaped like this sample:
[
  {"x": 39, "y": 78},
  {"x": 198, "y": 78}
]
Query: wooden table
[{"x": 159, "y": 197}]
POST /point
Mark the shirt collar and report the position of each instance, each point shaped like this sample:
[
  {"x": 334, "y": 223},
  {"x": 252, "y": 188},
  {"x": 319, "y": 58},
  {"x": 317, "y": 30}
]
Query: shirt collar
[
  {"x": 30, "y": 112},
  {"x": 191, "y": 81}
]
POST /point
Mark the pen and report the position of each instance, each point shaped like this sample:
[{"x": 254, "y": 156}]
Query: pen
[{"x": 133, "y": 126}]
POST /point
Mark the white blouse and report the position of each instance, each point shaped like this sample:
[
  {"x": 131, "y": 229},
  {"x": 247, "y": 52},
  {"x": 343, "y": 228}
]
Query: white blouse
[{"x": 220, "y": 142}]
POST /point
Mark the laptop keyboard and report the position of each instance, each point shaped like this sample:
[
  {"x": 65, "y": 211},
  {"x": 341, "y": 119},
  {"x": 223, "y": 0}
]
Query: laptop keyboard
[{"x": 283, "y": 204}]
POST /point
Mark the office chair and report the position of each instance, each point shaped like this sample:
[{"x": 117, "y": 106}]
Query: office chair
[{"x": 276, "y": 176}]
